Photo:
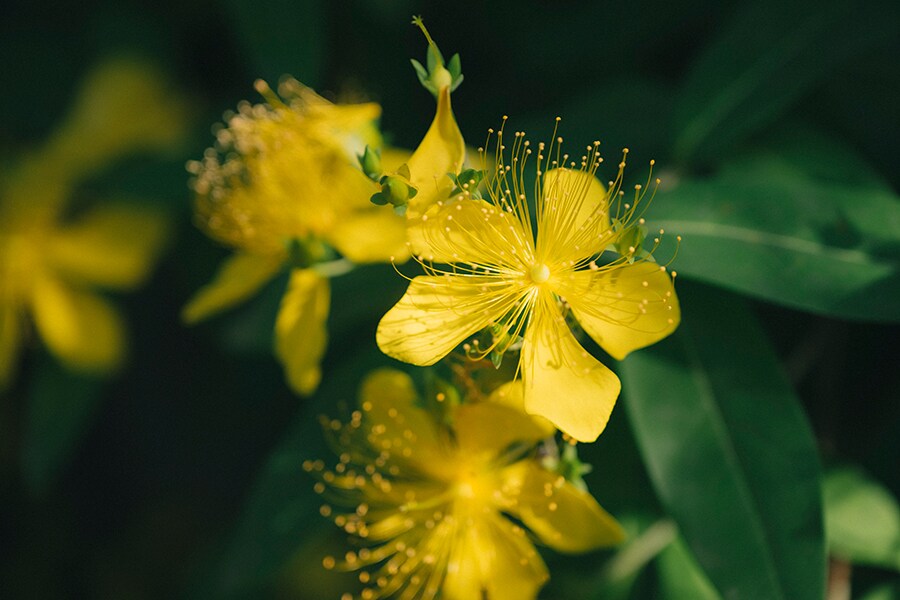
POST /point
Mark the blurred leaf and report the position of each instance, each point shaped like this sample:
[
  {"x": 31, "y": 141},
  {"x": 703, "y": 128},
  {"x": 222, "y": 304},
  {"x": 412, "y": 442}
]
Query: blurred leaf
[
  {"x": 729, "y": 451},
  {"x": 645, "y": 542},
  {"x": 882, "y": 592},
  {"x": 766, "y": 227},
  {"x": 680, "y": 576},
  {"x": 862, "y": 519},
  {"x": 61, "y": 408},
  {"x": 764, "y": 59},
  {"x": 282, "y": 37}
]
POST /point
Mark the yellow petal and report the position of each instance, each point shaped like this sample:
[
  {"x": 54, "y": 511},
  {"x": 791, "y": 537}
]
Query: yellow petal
[
  {"x": 512, "y": 394},
  {"x": 239, "y": 277},
  {"x": 9, "y": 341},
  {"x": 473, "y": 232},
  {"x": 347, "y": 188},
  {"x": 377, "y": 235},
  {"x": 438, "y": 313},
  {"x": 562, "y": 516},
  {"x": 486, "y": 429},
  {"x": 81, "y": 329},
  {"x": 300, "y": 329},
  {"x": 124, "y": 105},
  {"x": 491, "y": 557},
  {"x": 440, "y": 152},
  {"x": 350, "y": 126},
  {"x": 114, "y": 246},
  {"x": 563, "y": 382},
  {"x": 624, "y": 308},
  {"x": 575, "y": 215},
  {"x": 397, "y": 426}
]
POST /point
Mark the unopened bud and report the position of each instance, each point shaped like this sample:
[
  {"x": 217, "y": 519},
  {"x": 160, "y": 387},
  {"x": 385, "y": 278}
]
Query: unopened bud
[{"x": 370, "y": 161}]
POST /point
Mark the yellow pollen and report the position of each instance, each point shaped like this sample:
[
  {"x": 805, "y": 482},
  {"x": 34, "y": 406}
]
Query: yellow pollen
[{"x": 540, "y": 273}]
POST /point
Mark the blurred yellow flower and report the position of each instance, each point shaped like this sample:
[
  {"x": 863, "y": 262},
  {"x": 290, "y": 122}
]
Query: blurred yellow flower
[
  {"x": 523, "y": 273},
  {"x": 432, "y": 501},
  {"x": 53, "y": 254},
  {"x": 281, "y": 186}
]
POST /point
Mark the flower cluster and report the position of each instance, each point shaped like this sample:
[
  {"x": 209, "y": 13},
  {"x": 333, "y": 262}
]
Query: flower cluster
[{"x": 445, "y": 490}]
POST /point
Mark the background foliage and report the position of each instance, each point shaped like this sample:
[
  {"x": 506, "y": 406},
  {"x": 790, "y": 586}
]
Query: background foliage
[{"x": 777, "y": 401}]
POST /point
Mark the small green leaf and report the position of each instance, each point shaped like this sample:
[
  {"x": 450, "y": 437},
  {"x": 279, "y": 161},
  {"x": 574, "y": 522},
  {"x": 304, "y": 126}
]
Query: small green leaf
[
  {"x": 862, "y": 519},
  {"x": 455, "y": 66},
  {"x": 421, "y": 73},
  {"x": 729, "y": 451}
]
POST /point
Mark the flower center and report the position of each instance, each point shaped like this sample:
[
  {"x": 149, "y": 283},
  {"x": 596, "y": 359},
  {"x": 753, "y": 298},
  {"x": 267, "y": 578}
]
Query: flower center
[{"x": 540, "y": 273}]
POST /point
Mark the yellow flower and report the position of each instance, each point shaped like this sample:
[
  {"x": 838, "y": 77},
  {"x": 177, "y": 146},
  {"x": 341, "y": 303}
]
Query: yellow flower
[
  {"x": 282, "y": 180},
  {"x": 432, "y": 502},
  {"x": 524, "y": 273},
  {"x": 51, "y": 259}
]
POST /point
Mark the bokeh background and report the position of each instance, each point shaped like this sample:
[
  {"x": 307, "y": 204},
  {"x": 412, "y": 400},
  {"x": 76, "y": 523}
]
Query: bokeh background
[{"x": 180, "y": 475}]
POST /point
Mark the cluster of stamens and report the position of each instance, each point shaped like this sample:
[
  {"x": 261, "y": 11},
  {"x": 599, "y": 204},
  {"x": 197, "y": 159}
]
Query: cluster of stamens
[
  {"x": 522, "y": 248},
  {"x": 406, "y": 512}
]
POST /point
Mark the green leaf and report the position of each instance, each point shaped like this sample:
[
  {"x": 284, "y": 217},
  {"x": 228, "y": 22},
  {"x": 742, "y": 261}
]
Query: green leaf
[
  {"x": 282, "y": 37},
  {"x": 680, "y": 576},
  {"x": 862, "y": 519},
  {"x": 61, "y": 408},
  {"x": 769, "y": 55},
  {"x": 729, "y": 451},
  {"x": 767, "y": 227}
]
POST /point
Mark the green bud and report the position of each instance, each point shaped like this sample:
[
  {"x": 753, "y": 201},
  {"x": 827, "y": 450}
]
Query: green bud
[
  {"x": 398, "y": 190},
  {"x": 395, "y": 189},
  {"x": 437, "y": 75},
  {"x": 370, "y": 161}
]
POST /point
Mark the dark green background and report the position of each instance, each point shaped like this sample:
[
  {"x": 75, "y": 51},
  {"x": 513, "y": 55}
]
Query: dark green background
[{"x": 181, "y": 475}]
